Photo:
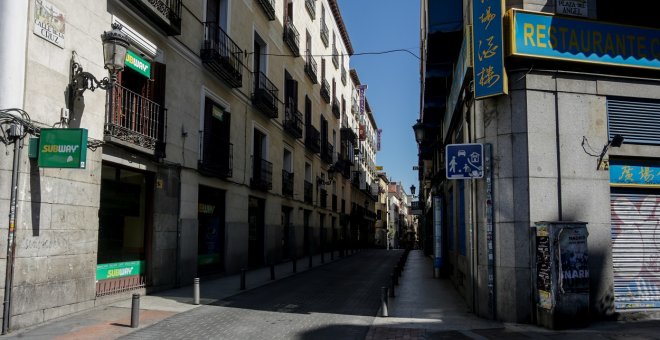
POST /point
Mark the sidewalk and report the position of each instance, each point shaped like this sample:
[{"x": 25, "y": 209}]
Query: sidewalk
[
  {"x": 429, "y": 308},
  {"x": 113, "y": 321}
]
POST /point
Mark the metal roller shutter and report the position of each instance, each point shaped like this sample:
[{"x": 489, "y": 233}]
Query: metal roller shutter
[
  {"x": 635, "y": 119},
  {"x": 636, "y": 249}
]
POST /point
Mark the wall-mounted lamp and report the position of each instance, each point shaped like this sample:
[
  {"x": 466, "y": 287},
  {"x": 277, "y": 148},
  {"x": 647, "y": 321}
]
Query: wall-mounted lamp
[
  {"x": 412, "y": 190},
  {"x": 420, "y": 131},
  {"x": 616, "y": 142},
  {"x": 115, "y": 44}
]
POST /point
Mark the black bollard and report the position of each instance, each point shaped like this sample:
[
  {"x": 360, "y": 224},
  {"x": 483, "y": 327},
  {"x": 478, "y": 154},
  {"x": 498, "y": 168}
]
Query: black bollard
[
  {"x": 272, "y": 271},
  {"x": 383, "y": 302},
  {"x": 135, "y": 311},
  {"x": 243, "y": 278}
]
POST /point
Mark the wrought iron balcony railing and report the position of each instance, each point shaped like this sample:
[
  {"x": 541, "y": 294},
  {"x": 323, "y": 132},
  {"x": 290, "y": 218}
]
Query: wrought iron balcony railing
[
  {"x": 334, "y": 203},
  {"x": 336, "y": 110},
  {"x": 324, "y": 33},
  {"x": 269, "y": 8},
  {"x": 165, "y": 14},
  {"x": 262, "y": 174},
  {"x": 335, "y": 56},
  {"x": 308, "y": 193},
  {"x": 291, "y": 37},
  {"x": 287, "y": 183},
  {"x": 217, "y": 160},
  {"x": 222, "y": 55},
  {"x": 312, "y": 139},
  {"x": 323, "y": 197},
  {"x": 347, "y": 134},
  {"x": 133, "y": 120},
  {"x": 265, "y": 95},
  {"x": 311, "y": 8},
  {"x": 325, "y": 91},
  {"x": 327, "y": 153},
  {"x": 310, "y": 68},
  {"x": 293, "y": 123}
]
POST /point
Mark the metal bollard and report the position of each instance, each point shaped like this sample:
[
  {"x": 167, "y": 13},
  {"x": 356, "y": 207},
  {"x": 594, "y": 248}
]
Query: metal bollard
[
  {"x": 196, "y": 291},
  {"x": 383, "y": 302},
  {"x": 294, "y": 263},
  {"x": 243, "y": 278},
  {"x": 135, "y": 311},
  {"x": 391, "y": 285},
  {"x": 272, "y": 271}
]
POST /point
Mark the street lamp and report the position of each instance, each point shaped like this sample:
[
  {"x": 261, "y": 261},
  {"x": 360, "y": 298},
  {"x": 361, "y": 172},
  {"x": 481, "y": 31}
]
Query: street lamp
[
  {"x": 420, "y": 132},
  {"x": 115, "y": 44},
  {"x": 412, "y": 190}
]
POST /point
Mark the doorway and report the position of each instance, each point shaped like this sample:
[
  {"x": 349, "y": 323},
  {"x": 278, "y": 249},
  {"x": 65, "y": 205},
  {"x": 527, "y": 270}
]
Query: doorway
[
  {"x": 256, "y": 207},
  {"x": 211, "y": 231}
]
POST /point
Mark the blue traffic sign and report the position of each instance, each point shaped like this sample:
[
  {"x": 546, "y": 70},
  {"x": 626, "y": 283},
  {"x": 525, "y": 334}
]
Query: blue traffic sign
[{"x": 464, "y": 161}]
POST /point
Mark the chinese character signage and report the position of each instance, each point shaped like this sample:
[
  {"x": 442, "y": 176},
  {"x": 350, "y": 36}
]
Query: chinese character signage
[
  {"x": 637, "y": 175},
  {"x": 488, "y": 55},
  {"x": 556, "y": 37},
  {"x": 49, "y": 23}
]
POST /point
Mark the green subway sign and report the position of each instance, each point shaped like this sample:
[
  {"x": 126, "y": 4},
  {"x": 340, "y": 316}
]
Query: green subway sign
[
  {"x": 116, "y": 270},
  {"x": 137, "y": 63},
  {"x": 63, "y": 148}
]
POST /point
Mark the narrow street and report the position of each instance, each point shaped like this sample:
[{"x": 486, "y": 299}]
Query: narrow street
[{"x": 334, "y": 301}]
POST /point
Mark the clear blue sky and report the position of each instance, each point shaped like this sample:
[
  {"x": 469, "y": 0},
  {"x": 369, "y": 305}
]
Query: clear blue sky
[{"x": 393, "y": 79}]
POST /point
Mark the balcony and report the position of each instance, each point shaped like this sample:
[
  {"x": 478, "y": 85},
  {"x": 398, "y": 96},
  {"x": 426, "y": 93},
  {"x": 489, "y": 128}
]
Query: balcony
[
  {"x": 269, "y": 8},
  {"x": 265, "y": 95},
  {"x": 335, "y": 56},
  {"x": 312, "y": 139},
  {"x": 327, "y": 153},
  {"x": 262, "y": 174},
  {"x": 323, "y": 198},
  {"x": 165, "y": 14},
  {"x": 325, "y": 91},
  {"x": 308, "y": 194},
  {"x": 135, "y": 121},
  {"x": 310, "y": 68},
  {"x": 324, "y": 33},
  {"x": 355, "y": 180},
  {"x": 222, "y": 55},
  {"x": 343, "y": 75},
  {"x": 334, "y": 203},
  {"x": 291, "y": 37},
  {"x": 347, "y": 134},
  {"x": 293, "y": 121},
  {"x": 217, "y": 161},
  {"x": 336, "y": 110},
  {"x": 311, "y": 8},
  {"x": 287, "y": 184}
]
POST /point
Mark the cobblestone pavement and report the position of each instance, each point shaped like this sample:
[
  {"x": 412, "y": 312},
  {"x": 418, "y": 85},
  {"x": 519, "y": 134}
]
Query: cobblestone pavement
[{"x": 335, "y": 301}]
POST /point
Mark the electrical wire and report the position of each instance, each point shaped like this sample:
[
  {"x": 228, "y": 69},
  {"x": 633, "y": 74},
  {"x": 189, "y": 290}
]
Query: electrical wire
[
  {"x": 18, "y": 117},
  {"x": 344, "y": 55}
]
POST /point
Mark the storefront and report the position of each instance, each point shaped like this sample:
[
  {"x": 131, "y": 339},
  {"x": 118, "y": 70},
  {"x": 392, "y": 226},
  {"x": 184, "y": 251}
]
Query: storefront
[
  {"x": 211, "y": 232},
  {"x": 124, "y": 229}
]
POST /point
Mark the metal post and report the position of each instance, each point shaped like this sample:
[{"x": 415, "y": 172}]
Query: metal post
[
  {"x": 135, "y": 311},
  {"x": 310, "y": 260},
  {"x": 11, "y": 244},
  {"x": 243, "y": 278},
  {"x": 383, "y": 302},
  {"x": 272, "y": 271},
  {"x": 196, "y": 291},
  {"x": 392, "y": 285},
  {"x": 294, "y": 262}
]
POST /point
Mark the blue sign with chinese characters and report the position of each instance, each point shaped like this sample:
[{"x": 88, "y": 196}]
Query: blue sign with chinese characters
[
  {"x": 465, "y": 161},
  {"x": 488, "y": 49},
  {"x": 634, "y": 174}
]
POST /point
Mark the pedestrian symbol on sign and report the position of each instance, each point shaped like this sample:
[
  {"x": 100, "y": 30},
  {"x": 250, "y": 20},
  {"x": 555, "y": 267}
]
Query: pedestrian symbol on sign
[{"x": 465, "y": 161}]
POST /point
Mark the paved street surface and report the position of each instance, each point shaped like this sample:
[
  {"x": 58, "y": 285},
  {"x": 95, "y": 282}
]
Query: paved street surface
[{"x": 336, "y": 300}]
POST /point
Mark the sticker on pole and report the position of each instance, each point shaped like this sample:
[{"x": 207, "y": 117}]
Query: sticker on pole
[{"x": 464, "y": 161}]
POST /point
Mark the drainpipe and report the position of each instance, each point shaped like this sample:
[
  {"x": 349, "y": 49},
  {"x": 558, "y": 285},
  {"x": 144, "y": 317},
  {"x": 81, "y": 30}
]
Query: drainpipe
[{"x": 15, "y": 133}]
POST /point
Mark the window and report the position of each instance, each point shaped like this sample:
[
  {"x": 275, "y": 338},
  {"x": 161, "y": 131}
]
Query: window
[
  {"x": 290, "y": 92},
  {"x": 216, "y": 153},
  {"x": 308, "y": 111},
  {"x": 216, "y": 11}
]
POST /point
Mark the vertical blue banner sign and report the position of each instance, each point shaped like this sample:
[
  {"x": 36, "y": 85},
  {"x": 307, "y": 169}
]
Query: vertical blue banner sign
[{"x": 488, "y": 49}]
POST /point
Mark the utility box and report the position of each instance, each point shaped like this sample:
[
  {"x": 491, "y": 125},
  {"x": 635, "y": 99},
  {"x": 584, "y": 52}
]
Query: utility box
[{"x": 561, "y": 274}]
